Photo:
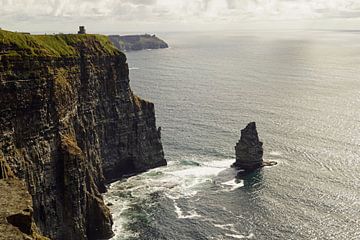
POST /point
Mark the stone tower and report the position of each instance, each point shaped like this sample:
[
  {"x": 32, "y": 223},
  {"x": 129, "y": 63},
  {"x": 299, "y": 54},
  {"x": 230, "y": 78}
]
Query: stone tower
[{"x": 82, "y": 30}]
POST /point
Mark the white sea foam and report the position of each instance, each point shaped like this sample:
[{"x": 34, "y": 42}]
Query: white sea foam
[
  {"x": 239, "y": 236},
  {"x": 191, "y": 214},
  {"x": 117, "y": 210},
  {"x": 133, "y": 68},
  {"x": 175, "y": 181},
  {"x": 234, "y": 233},
  {"x": 228, "y": 227},
  {"x": 234, "y": 184},
  {"x": 275, "y": 153},
  {"x": 201, "y": 171}
]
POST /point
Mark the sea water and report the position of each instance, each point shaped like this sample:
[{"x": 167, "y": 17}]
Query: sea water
[{"x": 303, "y": 90}]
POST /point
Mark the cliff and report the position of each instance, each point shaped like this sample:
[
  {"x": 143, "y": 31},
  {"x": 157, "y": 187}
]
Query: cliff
[
  {"x": 137, "y": 42},
  {"x": 69, "y": 123}
]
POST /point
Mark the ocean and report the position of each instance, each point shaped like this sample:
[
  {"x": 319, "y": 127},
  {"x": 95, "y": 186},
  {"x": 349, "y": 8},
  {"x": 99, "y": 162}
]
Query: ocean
[{"x": 302, "y": 88}]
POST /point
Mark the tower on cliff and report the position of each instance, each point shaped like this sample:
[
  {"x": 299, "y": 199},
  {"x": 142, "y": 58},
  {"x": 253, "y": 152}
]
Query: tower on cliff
[{"x": 82, "y": 30}]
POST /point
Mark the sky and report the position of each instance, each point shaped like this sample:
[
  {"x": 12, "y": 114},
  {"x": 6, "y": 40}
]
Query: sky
[{"x": 122, "y": 16}]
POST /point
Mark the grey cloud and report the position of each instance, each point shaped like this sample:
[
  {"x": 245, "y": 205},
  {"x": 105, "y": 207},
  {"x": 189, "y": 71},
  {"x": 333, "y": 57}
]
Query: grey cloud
[
  {"x": 192, "y": 11},
  {"x": 142, "y": 2}
]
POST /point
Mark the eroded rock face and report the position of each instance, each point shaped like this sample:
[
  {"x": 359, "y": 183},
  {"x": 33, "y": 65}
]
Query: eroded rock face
[
  {"x": 16, "y": 214},
  {"x": 67, "y": 126},
  {"x": 249, "y": 149}
]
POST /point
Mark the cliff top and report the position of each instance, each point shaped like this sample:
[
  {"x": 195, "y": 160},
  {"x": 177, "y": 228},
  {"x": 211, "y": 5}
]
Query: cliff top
[{"x": 59, "y": 45}]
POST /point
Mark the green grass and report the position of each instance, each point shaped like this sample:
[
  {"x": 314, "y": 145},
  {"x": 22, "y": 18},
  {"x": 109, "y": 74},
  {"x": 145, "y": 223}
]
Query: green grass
[{"x": 19, "y": 44}]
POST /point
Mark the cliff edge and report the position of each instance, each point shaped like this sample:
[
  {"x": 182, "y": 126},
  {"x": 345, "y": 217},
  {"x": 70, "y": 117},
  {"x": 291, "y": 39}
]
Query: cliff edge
[{"x": 69, "y": 123}]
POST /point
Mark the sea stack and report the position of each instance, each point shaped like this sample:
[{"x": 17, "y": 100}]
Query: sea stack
[{"x": 249, "y": 150}]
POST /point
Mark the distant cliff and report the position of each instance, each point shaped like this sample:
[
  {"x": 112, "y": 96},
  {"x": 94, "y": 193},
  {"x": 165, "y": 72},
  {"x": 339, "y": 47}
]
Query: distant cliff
[
  {"x": 137, "y": 42},
  {"x": 69, "y": 123}
]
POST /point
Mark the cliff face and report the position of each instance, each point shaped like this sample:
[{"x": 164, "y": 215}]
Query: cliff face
[
  {"x": 69, "y": 122},
  {"x": 16, "y": 221},
  {"x": 137, "y": 42}
]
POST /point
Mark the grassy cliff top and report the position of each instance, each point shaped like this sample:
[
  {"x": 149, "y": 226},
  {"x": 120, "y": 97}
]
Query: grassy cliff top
[{"x": 20, "y": 44}]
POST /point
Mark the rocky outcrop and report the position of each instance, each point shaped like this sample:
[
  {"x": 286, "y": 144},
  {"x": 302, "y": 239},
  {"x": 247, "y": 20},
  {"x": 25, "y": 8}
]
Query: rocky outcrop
[
  {"x": 249, "y": 150},
  {"x": 137, "y": 42},
  {"x": 69, "y": 123},
  {"x": 16, "y": 214}
]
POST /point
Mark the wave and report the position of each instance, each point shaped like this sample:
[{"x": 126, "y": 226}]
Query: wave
[
  {"x": 239, "y": 236},
  {"x": 180, "y": 213},
  {"x": 118, "y": 210},
  {"x": 234, "y": 233},
  {"x": 179, "y": 180},
  {"x": 234, "y": 184},
  {"x": 189, "y": 162}
]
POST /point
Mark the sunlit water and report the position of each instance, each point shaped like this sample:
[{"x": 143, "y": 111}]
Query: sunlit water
[{"x": 302, "y": 89}]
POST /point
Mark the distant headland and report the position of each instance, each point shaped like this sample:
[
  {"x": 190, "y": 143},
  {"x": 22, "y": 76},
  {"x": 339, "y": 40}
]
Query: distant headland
[
  {"x": 133, "y": 42},
  {"x": 137, "y": 42}
]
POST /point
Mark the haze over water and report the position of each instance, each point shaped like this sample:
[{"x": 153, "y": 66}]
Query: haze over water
[{"x": 303, "y": 91}]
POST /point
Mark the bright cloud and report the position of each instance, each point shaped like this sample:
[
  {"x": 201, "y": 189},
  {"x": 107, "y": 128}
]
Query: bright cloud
[{"x": 20, "y": 12}]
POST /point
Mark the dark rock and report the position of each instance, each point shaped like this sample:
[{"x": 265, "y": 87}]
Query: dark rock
[
  {"x": 249, "y": 150},
  {"x": 22, "y": 220},
  {"x": 70, "y": 124}
]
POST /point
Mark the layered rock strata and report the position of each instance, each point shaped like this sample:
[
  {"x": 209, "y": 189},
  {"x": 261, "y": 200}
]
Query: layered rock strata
[{"x": 69, "y": 123}]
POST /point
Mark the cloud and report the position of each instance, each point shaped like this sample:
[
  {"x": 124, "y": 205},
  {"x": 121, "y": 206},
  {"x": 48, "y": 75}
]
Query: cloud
[
  {"x": 175, "y": 11},
  {"x": 182, "y": 8}
]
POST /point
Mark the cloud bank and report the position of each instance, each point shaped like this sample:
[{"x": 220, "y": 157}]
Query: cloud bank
[{"x": 166, "y": 12}]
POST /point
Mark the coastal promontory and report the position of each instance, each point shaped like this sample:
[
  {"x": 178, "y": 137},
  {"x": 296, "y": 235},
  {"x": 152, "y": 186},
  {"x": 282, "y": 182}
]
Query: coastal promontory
[
  {"x": 137, "y": 42},
  {"x": 69, "y": 124}
]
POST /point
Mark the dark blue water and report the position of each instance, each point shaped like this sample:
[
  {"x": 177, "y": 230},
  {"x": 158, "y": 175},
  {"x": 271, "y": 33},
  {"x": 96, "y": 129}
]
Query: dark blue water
[{"x": 302, "y": 89}]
